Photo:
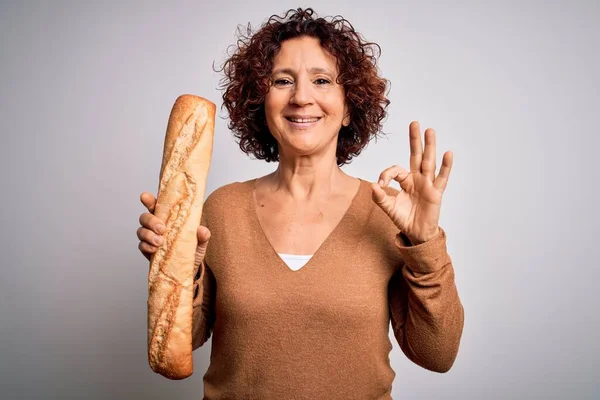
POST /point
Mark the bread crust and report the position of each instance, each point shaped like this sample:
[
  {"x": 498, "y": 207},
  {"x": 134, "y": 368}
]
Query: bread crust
[{"x": 182, "y": 183}]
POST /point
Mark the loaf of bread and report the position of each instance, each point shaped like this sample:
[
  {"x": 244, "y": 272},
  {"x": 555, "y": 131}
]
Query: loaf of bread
[{"x": 182, "y": 184}]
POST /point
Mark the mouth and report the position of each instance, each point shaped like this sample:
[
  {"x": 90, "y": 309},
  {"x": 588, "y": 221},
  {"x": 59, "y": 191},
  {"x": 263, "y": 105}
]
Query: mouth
[{"x": 303, "y": 120}]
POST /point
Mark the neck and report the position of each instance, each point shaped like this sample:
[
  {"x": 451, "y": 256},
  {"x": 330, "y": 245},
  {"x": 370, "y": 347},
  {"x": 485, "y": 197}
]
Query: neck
[{"x": 306, "y": 178}]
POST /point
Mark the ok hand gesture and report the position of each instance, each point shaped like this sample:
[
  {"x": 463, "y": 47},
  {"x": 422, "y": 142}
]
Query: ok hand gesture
[{"x": 415, "y": 210}]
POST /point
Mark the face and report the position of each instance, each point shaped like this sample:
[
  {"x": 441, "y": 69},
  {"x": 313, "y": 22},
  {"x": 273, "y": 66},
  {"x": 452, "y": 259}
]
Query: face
[{"x": 305, "y": 107}]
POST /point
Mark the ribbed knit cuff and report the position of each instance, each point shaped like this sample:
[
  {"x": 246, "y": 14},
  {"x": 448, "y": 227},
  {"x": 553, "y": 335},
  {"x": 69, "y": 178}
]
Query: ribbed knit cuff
[{"x": 426, "y": 257}]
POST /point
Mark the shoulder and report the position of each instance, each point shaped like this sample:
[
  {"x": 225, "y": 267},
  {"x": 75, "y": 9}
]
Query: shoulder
[
  {"x": 226, "y": 197},
  {"x": 229, "y": 192}
]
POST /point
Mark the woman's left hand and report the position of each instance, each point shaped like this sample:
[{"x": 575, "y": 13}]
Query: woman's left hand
[{"x": 416, "y": 209}]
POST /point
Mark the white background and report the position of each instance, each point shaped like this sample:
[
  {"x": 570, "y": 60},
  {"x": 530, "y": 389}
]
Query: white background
[{"x": 511, "y": 87}]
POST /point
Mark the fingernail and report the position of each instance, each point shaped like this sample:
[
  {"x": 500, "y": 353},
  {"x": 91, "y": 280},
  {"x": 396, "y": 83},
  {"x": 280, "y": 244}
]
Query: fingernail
[
  {"x": 160, "y": 228},
  {"x": 158, "y": 240},
  {"x": 380, "y": 182}
]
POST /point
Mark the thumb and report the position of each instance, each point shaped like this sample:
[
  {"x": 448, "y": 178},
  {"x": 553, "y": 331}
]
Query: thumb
[
  {"x": 382, "y": 199},
  {"x": 379, "y": 195},
  {"x": 203, "y": 237}
]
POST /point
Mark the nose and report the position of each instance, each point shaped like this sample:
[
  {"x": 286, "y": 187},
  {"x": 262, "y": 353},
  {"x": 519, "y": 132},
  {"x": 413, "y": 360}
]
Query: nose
[{"x": 302, "y": 93}]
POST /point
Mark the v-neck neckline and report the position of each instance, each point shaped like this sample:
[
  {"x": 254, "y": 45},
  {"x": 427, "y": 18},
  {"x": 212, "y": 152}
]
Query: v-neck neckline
[{"x": 340, "y": 227}]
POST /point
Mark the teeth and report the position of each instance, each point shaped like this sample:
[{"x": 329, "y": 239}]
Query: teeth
[{"x": 303, "y": 119}]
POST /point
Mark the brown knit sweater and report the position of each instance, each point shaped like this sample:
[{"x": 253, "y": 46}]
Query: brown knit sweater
[{"x": 320, "y": 332}]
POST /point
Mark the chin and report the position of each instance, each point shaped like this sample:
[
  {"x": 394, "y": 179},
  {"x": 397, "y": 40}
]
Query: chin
[{"x": 302, "y": 149}]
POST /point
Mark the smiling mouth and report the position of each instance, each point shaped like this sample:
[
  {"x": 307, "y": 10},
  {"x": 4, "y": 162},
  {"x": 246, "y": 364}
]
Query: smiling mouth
[{"x": 303, "y": 120}]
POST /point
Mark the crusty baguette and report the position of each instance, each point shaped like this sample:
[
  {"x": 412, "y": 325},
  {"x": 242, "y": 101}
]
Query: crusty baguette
[{"x": 186, "y": 160}]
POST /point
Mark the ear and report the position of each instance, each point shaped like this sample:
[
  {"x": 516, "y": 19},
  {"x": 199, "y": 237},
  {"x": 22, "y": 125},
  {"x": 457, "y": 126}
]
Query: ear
[{"x": 346, "y": 120}]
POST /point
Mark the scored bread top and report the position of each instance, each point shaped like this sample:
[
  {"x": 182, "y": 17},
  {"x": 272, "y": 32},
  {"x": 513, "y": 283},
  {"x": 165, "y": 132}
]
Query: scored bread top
[{"x": 185, "y": 107}]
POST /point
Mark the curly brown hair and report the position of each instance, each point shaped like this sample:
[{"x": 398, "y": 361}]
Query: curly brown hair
[{"x": 247, "y": 79}]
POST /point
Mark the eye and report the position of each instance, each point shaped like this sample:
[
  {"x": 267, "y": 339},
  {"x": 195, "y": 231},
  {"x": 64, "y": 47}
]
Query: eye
[
  {"x": 281, "y": 82},
  {"x": 322, "y": 81}
]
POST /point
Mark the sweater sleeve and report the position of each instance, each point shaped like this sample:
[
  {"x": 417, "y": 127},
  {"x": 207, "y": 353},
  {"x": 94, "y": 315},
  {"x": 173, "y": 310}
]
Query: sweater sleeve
[
  {"x": 425, "y": 310},
  {"x": 203, "y": 305}
]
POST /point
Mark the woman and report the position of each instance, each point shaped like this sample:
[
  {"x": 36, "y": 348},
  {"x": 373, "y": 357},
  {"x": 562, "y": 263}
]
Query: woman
[{"x": 306, "y": 267}]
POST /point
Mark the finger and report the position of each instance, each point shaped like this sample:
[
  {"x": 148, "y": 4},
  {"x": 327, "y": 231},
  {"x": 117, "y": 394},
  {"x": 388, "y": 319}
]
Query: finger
[
  {"x": 441, "y": 181},
  {"x": 203, "y": 235},
  {"x": 148, "y": 201},
  {"x": 394, "y": 172},
  {"x": 147, "y": 250},
  {"x": 153, "y": 223},
  {"x": 146, "y": 235},
  {"x": 428, "y": 163},
  {"x": 416, "y": 147}
]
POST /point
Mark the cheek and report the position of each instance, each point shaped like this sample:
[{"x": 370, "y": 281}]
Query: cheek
[
  {"x": 272, "y": 107},
  {"x": 268, "y": 105},
  {"x": 270, "y": 117},
  {"x": 336, "y": 105}
]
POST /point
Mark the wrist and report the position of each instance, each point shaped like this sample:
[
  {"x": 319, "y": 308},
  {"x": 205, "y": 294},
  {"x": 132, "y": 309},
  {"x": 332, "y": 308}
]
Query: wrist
[{"x": 416, "y": 240}]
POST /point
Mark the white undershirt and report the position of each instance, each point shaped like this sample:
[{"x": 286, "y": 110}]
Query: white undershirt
[{"x": 294, "y": 261}]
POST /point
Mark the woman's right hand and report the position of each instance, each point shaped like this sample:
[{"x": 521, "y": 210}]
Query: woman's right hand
[{"x": 153, "y": 228}]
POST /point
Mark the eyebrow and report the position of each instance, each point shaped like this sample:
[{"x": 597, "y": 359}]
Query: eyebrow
[{"x": 314, "y": 70}]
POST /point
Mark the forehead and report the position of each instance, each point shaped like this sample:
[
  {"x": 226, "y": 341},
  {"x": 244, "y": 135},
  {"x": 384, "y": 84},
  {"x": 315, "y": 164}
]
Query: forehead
[{"x": 304, "y": 52}]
